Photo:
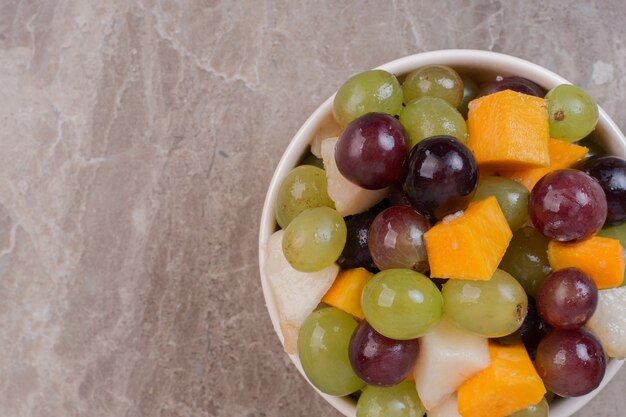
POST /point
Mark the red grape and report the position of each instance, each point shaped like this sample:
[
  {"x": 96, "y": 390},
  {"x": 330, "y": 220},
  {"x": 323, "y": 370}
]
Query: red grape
[
  {"x": 440, "y": 177},
  {"x": 519, "y": 84},
  {"x": 371, "y": 151},
  {"x": 570, "y": 362},
  {"x": 567, "y": 298},
  {"x": 395, "y": 239},
  {"x": 567, "y": 205},
  {"x": 379, "y": 360},
  {"x": 610, "y": 171}
]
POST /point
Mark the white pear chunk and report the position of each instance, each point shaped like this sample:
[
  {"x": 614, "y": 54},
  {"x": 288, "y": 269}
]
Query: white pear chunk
[
  {"x": 609, "y": 321},
  {"x": 448, "y": 357},
  {"x": 349, "y": 198},
  {"x": 296, "y": 293},
  {"x": 447, "y": 408}
]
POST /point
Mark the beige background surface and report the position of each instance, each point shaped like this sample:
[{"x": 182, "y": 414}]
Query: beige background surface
[{"x": 138, "y": 138}]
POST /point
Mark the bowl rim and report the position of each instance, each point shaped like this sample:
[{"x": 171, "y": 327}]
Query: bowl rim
[{"x": 612, "y": 137}]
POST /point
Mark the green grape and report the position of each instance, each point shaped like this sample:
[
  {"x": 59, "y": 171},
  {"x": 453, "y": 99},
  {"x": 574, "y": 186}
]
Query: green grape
[
  {"x": 429, "y": 116},
  {"x": 401, "y": 304},
  {"x": 619, "y": 233},
  {"x": 313, "y": 160},
  {"x": 369, "y": 91},
  {"x": 512, "y": 198},
  {"x": 397, "y": 401},
  {"x": 572, "y": 112},
  {"x": 434, "y": 81},
  {"x": 304, "y": 187},
  {"x": 541, "y": 409},
  {"x": 314, "y": 239},
  {"x": 323, "y": 343},
  {"x": 591, "y": 143},
  {"x": 526, "y": 258},
  {"x": 492, "y": 308},
  {"x": 470, "y": 91}
]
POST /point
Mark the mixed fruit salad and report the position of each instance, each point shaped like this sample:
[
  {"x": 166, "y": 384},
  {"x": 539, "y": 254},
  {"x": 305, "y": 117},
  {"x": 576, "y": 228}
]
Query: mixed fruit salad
[{"x": 453, "y": 249}]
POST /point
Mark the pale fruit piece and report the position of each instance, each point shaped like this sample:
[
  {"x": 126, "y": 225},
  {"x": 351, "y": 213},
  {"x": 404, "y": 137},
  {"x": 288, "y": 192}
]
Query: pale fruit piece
[
  {"x": 447, "y": 408},
  {"x": 448, "y": 357},
  {"x": 349, "y": 198},
  {"x": 296, "y": 293},
  {"x": 609, "y": 321},
  {"x": 328, "y": 129}
]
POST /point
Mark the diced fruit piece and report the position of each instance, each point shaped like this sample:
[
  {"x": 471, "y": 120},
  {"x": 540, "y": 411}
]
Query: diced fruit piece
[
  {"x": 571, "y": 362},
  {"x": 438, "y": 81},
  {"x": 346, "y": 291},
  {"x": 610, "y": 171},
  {"x": 349, "y": 198},
  {"x": 447, "y": 408},
  {"x": 492, "y": 308},
  {"x": 296, "y": 293},
  {"x": 509, "y": 384},
  {"x": 429, "y": 116},
  {"x": 619, "y": 233},
  {"x": 609, "y": 321},
  {"x": 328, "y": 128},
  {"x": 526, "y": 258},
  {"x": 541, "y": 409},
  {"x": 476, "y": 240},
  {"x": 509, "y": 130},
  {"x": 519, "y": 84},
  {"x": 567, "y": 298},
  {"x": 401, "y": 304},
  {"x": 567, "y": 205},
  {"x": 395, "y": 239},
  {"x": 303, "y": 188},
  {"x": 601, "y": 258},
  {"x": 401, "y": 400},
  {"x": 314, "y": 239},
  {"x": 572, "y": 111},
  {"x": 323, "y": 351},
  {"x": 371, "y": 151},
  {"x": 512, "y": 198},
  {"x": 448, "y": 357},
  {"x": 366, "y": 92},
  {"x": 562, "y": 155},
  {"x": 441, "y": 177},
  {"x": 379, "y": 360}
]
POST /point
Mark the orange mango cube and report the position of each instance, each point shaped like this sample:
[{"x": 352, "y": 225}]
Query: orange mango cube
[
  {"x": 509, "y": 130},
  {"x": 601, "y": 258},
  {"x": 470, "y": 244},
  {"x": 562, "y": 155},
  {"x": 345, "y": 293},
  {"x": 509, "y": 384}
]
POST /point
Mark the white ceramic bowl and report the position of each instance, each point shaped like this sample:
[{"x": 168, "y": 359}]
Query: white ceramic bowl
[{"x": 482, "y": 65}]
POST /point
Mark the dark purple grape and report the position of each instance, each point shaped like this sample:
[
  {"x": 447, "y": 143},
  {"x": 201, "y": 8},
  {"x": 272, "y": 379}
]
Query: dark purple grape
[
  {"x": 567, "y": 298},
  {"x": 571, "y": 362},
  {"x": 395, "y": 239},
  {"x": 397, "y": 196},
  {"x": 379, "y": 360},
  {"x": 532, "y": 330},
  {"x": 440, "y": 177},
  {"x": 567, "y": 206},
  {"x": 610, "y": 171},
  {"x": 356, "y": 253},
  {"x": 519, "y": 84},
  {"x": 371, "y": 151}
]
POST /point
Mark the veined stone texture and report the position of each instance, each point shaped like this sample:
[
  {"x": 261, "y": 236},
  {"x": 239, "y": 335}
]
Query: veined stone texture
[{"x": 138, "y": 139}]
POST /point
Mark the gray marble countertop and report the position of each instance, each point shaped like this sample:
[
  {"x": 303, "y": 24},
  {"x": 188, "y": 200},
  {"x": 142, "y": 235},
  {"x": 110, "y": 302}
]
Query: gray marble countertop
[{"x": 138, "y": 140}]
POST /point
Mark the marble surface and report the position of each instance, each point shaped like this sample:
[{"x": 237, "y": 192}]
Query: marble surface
[{"x": 138, "y": 139}]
